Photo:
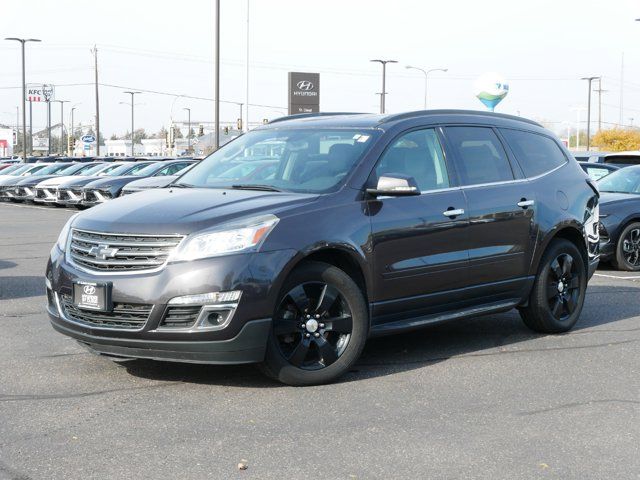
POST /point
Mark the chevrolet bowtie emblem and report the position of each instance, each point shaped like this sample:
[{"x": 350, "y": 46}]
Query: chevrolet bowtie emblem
[{"x": 103, "y": 251}]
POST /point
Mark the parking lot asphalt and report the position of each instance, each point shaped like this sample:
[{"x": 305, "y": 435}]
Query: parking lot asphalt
[{"x": 478, "y": 398}]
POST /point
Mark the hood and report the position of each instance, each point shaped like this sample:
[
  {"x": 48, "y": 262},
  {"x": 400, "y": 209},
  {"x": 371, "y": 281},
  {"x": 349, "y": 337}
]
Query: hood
[
  {"x": 151, "y": 182},
  {"x": 185, "y": 210},
  {"x": 55, "y": 181},
  {"x": 607, "y": 198},
  {"x": 104, "y": 182},
  {"x": 11, "y": 180},
  {"x": 71, "y": 182},
  {"x": 34, "y": 180}
]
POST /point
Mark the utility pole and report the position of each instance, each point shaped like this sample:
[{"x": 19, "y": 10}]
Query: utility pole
[
  {"x": 48, "y": 127},
  {"x": 132, "y": 128},
  {"x": 24, "y": 94},
  {"x": 94, "y": 50},
  {"x": 30, "y": 127},
  {"x": 600, "y": 92},
  {"x": 246, "y": 100},
  {"x": 216, "y": 136},
  {"x": 188, "y": 129},
  {"x": 71, "y": 133},
  {"x": 621, "y": 89},
  {"x": 384, "y": 80},
  {"x": 589, "y": 80}
]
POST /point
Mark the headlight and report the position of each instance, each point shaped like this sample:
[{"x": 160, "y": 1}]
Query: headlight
[
  {"x": 64, "y": 234},
  {"x": 226, "y": 239}
]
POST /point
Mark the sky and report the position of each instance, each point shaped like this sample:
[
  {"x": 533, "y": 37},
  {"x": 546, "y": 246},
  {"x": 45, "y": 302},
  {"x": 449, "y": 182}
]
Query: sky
[{"x": 165, "y": 49}]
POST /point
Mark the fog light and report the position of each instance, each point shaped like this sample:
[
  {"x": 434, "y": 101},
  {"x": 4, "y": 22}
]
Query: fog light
[{"x": 207, "y": 298}]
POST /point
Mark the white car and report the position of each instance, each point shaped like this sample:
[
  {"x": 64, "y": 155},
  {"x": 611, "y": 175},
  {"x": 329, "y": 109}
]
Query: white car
[{"x": 46, "y": 191}]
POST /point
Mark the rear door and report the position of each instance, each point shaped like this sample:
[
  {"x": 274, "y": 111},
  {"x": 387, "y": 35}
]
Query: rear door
[{"x": 501, "y": 202}]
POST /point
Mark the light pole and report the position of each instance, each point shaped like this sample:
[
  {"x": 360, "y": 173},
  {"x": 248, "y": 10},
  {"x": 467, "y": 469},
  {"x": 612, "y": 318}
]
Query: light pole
[
  {"x": 188, "y": 129},
  {"x": 384, "y": 81},
  {"x": 24, "y": 93},
  {"x": 61, "y": 102},
  {"x": 589, "y": 80},
  {"x": 94, "y": 51},
  {"x": 426, "y": 78},
  {"x": 246, "y": 98},
  {"x": 132, "y": 130},
  {"x": 72, "y": 132},
  {"x": 216, "y": 135}
]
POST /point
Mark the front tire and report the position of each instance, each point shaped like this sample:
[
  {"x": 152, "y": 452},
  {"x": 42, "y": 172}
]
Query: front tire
[
  {"x": 628, "y": 249},
  {"x": 559, "y": 289},
  {"x": 319, "y": 327}
]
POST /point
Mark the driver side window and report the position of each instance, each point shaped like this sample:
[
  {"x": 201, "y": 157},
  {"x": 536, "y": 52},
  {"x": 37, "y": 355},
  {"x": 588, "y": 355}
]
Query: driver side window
[{"x": 417, "y": 154}]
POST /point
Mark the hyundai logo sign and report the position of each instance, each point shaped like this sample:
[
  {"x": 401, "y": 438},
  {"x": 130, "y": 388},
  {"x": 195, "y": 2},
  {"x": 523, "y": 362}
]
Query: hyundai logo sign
[
  {"x": 304, "y": 92},
  {"x": 304, "y": 85},
  {"x": 89, "y": 289}
]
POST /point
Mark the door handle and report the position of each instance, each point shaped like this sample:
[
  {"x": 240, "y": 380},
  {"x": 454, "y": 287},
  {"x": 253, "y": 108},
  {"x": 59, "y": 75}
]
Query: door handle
[
  {"x": 453, "y": 212},
  {"x": 524, "y": 203}
]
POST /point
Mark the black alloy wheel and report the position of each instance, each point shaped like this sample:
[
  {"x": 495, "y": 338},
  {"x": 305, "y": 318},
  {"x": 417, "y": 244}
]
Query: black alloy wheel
[
  {"x": 313, "y": 325},
  {"x": 559, "y": 289},
  {"x": 320, "y": 325},
  {"x": 563, "y": 286}
]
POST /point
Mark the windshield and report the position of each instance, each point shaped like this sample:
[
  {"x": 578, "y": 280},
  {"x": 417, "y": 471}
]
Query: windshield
[
  {"x": 12, "y": 169},
  {"x": 35, "y": 168},
  {"x": 53, "y": 168},
  {"x": 119, "y": 170},
  {"x": 147, "y": 169},
  {"x": 297, "y": 160},
  {"x": 71, "y": 169},
  {"x": 95, "y": 169},
  {"x": 625, "y": 180}
]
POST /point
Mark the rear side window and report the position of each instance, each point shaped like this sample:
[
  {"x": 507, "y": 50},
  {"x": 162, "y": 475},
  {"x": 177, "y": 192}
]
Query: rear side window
[
  {"x": 622, "y": 159},
  {"x": 536, "y": 154},
  {"x": 480, "y": 155}
]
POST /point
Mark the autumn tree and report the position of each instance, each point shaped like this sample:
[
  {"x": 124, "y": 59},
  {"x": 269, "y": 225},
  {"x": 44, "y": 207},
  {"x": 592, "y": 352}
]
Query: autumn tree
[{"x": 617, "y": 139}]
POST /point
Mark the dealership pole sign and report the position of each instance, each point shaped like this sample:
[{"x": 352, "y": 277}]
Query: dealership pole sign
[
  {"x": 39, "y": 93},
  {"x": 304, "y": 92}
]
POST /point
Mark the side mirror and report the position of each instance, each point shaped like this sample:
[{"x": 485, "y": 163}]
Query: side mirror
[{"x": 395, "y": 185}]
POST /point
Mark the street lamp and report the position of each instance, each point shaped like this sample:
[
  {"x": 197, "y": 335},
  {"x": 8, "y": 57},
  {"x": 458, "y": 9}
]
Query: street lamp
[
  {"x": 384, "y": 80},
  {"x": 188, "y": 129},
  {"x": 132, "y": 130},
  {"x": 72, "y": 131},
  {"x": 426, "y": 78},
  {"x": 61, "y": 102},
  {"x": 24, "y": 93},
  {"x": 216, "y": 112},
  {"x": 589, "y": 80}
]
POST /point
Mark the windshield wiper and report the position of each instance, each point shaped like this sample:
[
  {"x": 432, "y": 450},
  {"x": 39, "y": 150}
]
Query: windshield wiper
[{"x": 255, "y": 186}]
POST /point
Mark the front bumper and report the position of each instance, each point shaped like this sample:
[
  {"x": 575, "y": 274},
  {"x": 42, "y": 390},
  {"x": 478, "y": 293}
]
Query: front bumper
[
  {"x": 45, "y": 195},
  {"x": 69, "y": 197},
  {"x": 91, "y": 198},
  {"x": 18, "y": 194},
  {"x": 243, "y": 340}
]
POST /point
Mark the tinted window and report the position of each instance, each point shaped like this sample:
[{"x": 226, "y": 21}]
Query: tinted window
[
  {"x": 417, "y": 154},
  {"x": 597, "y": 173},
  {"x": 536, "y": 154},
  {"x": 481, "y": 157},
  {"x": 309, "y": 160},
  {"x": 623, "y": 159}
]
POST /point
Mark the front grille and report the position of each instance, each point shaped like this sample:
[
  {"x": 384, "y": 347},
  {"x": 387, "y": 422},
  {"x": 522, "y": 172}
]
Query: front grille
[
  {"x": 113, "y": 252},
  {"x": 40, "y": 193},
  {"x": 62, "y": 195},
  {"x": 126, "y": 316},
  {"x": 183, "y": 316},
  {"x": 89, "y": 196}
]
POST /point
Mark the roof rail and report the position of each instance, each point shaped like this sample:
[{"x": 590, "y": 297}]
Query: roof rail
[
  {"x": 420, "y": 113},
  {"x": 310, "y": 115}
]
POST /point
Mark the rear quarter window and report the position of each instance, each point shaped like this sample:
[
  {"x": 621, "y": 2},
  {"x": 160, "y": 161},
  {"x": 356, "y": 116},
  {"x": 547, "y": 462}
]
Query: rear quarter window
[{"x": 535, "y": 153}]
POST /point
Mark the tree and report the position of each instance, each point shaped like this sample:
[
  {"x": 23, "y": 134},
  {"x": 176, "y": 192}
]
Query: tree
[
  {"x": 583, "y": 140},
  {"x": 617, "y": 139},
  {"x": 139, "y": 135},
  {"x": 114, "y": 137}
]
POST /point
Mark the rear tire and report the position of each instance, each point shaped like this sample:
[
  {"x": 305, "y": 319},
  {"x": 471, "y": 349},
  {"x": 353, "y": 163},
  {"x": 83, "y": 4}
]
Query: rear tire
[
  {"x": 559, "y": 289},
  {"x": 319, "y": 327},
  {"x": 627, "y": 255}
]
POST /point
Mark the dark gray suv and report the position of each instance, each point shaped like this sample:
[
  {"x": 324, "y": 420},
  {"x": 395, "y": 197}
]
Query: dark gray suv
[{"x": 363, "y": 225}]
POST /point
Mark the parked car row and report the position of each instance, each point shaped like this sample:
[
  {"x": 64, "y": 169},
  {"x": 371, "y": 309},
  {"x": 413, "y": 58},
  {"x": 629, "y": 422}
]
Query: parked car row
[{"x": 81, "y": 184}]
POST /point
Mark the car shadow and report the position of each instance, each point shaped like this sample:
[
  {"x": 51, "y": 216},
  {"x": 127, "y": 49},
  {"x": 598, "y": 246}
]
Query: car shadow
[
  {"x": 7, "y": 264},
  {"x": 21, "y": 287},
  {"x": 476, "y": 337}
]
